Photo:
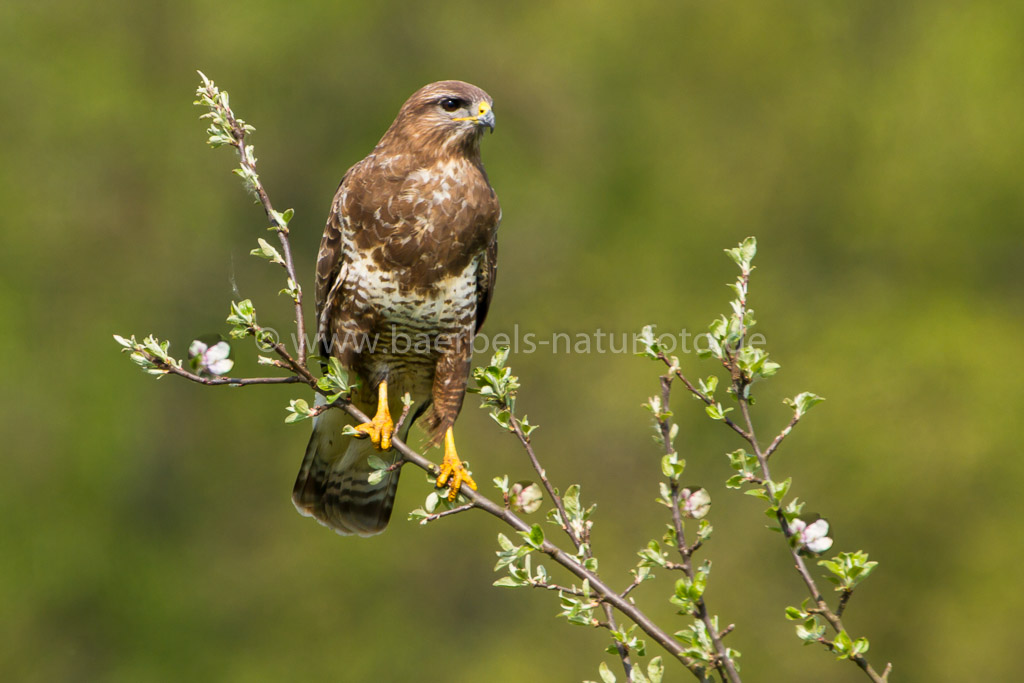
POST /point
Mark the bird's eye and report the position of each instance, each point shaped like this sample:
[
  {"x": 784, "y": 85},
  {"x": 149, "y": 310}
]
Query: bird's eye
[{"x": 450, "y": 104}]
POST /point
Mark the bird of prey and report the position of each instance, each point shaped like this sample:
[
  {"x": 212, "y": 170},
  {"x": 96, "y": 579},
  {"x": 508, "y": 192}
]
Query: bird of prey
[{"x": 404, "y": 279}]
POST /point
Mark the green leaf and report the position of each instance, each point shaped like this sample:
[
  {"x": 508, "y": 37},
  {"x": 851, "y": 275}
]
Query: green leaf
[
  {"x": 651, "y": 348},
  {"x": 266, "y": 251},
  {"x": 736, "y": 481},
  {"x": 859, "y": 647},
  {"x": 743, "y": 254},
  {"x": 849, "y": 569},
  {"x": 655, "y": 670},
  {"x": 336, "y": 382},
  {"x": 759, "y": 492},
  {"x": 292, "y": 289},
  {"x": 803, "y": 402},
  {"x": 505, "y": 543},
  {"x": 606, "y": 675},
  {"x": 282, "y": 218},
  {"x": 534, "y": 537},
  {"x": 298, "y": 409},
  {"x": 571, "y": 502},
  {"x": 810, "y": 630},
  {"x": 242, "y": 318},
  {"x": 842, "y": 644},
  {"x": 509, "y": 582},
  {"x": 715, "y": 411},
  {"x": 779, "y": 489},
  {"x": 671, "y": 466},
  {"x": 707, "y": 387}
]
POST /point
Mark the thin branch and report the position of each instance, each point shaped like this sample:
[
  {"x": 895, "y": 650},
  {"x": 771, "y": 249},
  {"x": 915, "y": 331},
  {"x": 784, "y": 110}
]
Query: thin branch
[
  {"x": 406, "y": 405},
  {"x": 445, "y": 513},
  {"x": 542, "y": 474},
  {"x": 223, "y": 381},
  {"x": 698, "y": 393},
  {"x": 629, "y": 589},
  {"x": 823, "y": 609},
  {"x": 844, "y": 599},
  {"x": 579, "y": 540},
  {"x": 298, "y": 366},
  {"x": 777, "y": 441},
  {"x": 568, "y": 590},
  {"x": 723, "y": 662},
  {"x": 239, "y": 130}
]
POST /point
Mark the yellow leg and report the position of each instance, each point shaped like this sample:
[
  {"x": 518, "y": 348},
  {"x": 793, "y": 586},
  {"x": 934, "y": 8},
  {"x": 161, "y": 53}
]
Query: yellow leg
[
  {"x": 453, "y": 469},
  {"x": 381, "y": 427}
]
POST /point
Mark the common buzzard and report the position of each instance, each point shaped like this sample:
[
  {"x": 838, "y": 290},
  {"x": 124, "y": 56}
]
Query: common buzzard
[{"x": 403, "y": 282}]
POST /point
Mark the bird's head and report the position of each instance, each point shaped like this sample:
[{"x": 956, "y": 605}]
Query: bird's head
[{"x": 447, "y": 116}]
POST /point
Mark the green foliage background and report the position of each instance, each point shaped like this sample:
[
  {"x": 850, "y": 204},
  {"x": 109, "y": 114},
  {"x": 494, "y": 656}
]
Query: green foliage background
[{"x": 874, "y": 148}]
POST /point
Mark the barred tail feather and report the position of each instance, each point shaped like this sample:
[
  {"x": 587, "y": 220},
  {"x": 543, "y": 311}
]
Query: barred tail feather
[{"x": 333, "y": 485}]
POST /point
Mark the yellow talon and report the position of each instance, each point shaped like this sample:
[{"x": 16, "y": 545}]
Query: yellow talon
[
  {"x": 452, "y": 468},
  {"x": 381, "y": 427}
]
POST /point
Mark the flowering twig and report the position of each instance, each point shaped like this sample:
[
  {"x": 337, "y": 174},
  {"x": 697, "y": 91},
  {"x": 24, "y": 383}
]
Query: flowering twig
[
  {"x": 227, "y": 129},
  {"x": 723, "y": 661},
  {"x": 745, "y": 365}
]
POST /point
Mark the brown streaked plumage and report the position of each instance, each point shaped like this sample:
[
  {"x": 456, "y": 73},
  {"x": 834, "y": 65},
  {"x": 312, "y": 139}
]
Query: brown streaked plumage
[{"x": 404, "y": 279}]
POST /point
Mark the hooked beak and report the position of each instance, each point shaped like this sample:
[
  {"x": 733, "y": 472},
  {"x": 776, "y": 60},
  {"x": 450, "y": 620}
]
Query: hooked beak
[{"x": 484, "y": 116}]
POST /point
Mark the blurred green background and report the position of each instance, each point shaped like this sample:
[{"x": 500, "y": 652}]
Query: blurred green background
[{"x": 874, "y": 148}]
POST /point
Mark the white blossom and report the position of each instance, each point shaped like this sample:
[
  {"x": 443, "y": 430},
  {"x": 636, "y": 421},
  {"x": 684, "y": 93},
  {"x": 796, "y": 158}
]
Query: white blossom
[
  {"x": 813, "y": 536},
  {"x": 695, "y": 504},
  {"x": 211, "y": 359}
]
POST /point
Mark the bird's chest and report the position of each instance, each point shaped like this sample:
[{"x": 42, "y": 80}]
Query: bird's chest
[{"x": 446, "y": 305}]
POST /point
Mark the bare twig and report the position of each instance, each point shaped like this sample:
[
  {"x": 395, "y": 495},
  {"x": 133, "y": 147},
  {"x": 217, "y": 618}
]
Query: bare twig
[
  {"x": 224, "y": 381},
  {"x": 445, "y": 513},
  {"x": 777, "y": 441},
  {"x": 406, "y": 405}
]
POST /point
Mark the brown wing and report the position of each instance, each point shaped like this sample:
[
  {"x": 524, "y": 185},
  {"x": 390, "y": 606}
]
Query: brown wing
[
  {"x": 485, "y": 283},
  {"x": 330, "y": 258}
]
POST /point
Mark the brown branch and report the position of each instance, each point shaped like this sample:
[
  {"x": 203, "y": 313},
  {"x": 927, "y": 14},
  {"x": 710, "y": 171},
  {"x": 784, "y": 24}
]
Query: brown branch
[
  {"x": 222, "y": 381},
  {"x": 297, "y": 366},
  {"x": 777, "y": 441},
  {"x": 542, "y": 474},
  {"x": 607, "y": 597},
  {"x": 601, "y": 589},
  {"x": 844, "y": 599},
  {"x": 406, "y": 405}
]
